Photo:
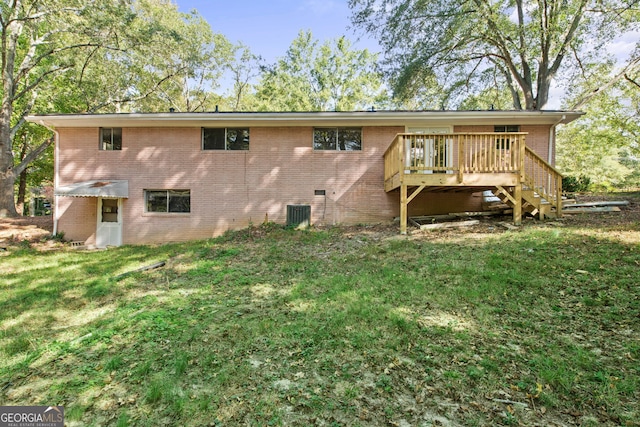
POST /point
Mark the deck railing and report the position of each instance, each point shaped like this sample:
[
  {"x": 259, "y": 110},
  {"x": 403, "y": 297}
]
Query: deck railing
[{"x": 460, "y": 153}]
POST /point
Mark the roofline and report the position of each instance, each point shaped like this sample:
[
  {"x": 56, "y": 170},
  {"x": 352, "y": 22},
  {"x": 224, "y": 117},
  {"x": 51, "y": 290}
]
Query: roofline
[{"x": 278, "y": 119}]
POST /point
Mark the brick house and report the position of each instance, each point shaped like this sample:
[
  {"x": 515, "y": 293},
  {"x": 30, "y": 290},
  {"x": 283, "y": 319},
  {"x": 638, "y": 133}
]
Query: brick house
[{"x": 158, "y": 177}]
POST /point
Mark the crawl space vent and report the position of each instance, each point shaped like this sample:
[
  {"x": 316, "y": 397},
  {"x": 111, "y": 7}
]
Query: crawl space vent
[{"x": 298, "y": 214}]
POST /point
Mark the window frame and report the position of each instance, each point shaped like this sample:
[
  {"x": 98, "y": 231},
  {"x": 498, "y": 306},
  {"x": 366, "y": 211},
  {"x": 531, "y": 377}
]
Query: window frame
[
  {"x": 102, "y": 146},
  {"x": 505, "y": 128},
  {"x": 337, "y": 140},
  {"x": 226, "y": 138},
  {"x": 505, "y": 143},
  {"x": 108, "y": 212},
  {"x": 168, "y": 210}
]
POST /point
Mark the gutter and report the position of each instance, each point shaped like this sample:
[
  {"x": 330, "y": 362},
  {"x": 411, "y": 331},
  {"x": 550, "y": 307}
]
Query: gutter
[
  {"x": 300, "y": 119},
  {"x": 56, "y": 159}
]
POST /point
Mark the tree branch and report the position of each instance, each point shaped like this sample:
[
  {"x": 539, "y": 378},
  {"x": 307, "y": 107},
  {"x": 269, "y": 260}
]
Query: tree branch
[
  {"x": 568, "y": 37},
  {"x": 524, "y": 81},
  {"x": 37, "y": 81},
  {"x": 630, "y": 80},
  {"x": 28, "y": 67},
  {"x": 517, "y": 103},
  {"x": 138, "y": 98},
  {"x": 25, "y": 112},
  {"x": 32, "y": 156},
  {"x": 615, "y": 79},
  {"x": 31, "y": 53}
]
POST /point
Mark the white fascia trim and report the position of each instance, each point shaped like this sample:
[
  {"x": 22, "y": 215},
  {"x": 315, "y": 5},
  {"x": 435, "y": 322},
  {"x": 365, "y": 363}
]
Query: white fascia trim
[{"x": 361, "y": 118}]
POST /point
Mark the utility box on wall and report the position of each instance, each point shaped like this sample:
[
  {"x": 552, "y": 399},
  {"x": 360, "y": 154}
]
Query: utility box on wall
[{"x": 298, "y": 215}]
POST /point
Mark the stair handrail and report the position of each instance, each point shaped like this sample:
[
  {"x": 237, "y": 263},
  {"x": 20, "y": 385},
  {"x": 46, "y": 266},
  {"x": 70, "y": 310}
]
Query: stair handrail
[{"x": 544, "y": 180}]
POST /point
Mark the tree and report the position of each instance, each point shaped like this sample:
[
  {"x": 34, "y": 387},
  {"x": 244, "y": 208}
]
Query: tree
[
  {"x": 40, "y": 170},
  {"x": 192, "y": 56},
  {"x": 328, "y": 76},
  {"x": 172, "y": 60},
  {"x": 604, "y": 146},
  {"x": 37, "y": 37},
  {"x": 243, "y": 69},
  {"x": 97, "y": 55},
  {"x": 470, "y": 46}
]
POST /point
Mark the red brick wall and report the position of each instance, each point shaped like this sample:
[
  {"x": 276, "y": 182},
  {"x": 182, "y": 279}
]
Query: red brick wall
[{"x": 231, "y": 189}]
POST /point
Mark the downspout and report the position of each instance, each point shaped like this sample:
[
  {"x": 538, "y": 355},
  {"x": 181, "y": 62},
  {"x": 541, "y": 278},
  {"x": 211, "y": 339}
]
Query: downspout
[
  {"x": 56, "y": 169},
  {"x": 550, "y": 157},
  {"x": 552, "y": 140}
]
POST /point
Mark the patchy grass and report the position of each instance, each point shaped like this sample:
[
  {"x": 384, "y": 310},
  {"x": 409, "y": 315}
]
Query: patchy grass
[{"x": 270, "y": 326}]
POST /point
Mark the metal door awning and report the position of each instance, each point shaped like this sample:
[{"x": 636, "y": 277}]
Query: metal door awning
[{"x": 117, "y": 189}]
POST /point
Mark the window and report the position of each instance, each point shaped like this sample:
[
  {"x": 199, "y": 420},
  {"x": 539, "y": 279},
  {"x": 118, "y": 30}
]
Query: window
[
  {"x": 507, "y": 128},
  {"x": 109, "y": 210},
  {"x": 171, "y": 201},
  {"x": 505, "y": 143},
  {"x": 339, "y": 139},
  {"x": 225, "y": 138},
  {"x": 110, "y": 139}
]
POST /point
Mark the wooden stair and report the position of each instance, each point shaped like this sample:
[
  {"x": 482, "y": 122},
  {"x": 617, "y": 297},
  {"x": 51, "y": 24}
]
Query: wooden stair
[
  {"x": 541, "y": 191},
  {"x": 532, "y": 203}
]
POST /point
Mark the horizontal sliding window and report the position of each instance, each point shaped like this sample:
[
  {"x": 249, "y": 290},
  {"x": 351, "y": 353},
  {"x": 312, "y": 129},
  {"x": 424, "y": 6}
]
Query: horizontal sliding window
[
  {"x": 501, "y": 142},
  {"x": 170, "y": 201},
  {"x": 507, "y": 128},
  {"x": 110, "y": 139},
  {"x": 337, "y": 139},
  {"x": 225, "y": 138}
]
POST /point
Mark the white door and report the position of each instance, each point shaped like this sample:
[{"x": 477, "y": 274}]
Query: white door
[
  {"x": 432, "y": 153},
  {"x": 109, "y": 228}
]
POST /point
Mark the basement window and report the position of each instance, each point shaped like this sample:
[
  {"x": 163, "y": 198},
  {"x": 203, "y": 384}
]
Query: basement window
[
  {"x": 337, "y": 139},
  {"x": 110, "y": 139},
  {"x": 225, "y": 138},
  {"x": 168, "y": 201}
]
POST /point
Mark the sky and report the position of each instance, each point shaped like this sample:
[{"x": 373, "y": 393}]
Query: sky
[{"x": 268, "y": 27}]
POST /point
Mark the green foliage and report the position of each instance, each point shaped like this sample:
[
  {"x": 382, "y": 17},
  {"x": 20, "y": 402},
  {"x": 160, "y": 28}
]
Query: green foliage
[
  {"x": 244, "y": 69},
  {"x": 575, "y": 184},
  {"x": 58, "y": 237},
  {"x": 604, "y": 146},
  {"x": 38, "y": 173},
  {"x": 457, "y": 49},
  {"x": 164, "y": 59},
  {"x": 321, "y": 77},
  {"x": 98, "y": 56}
]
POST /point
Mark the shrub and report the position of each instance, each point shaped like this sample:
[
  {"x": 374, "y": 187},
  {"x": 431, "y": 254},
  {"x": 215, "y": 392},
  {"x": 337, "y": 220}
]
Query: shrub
[{"x": 576, "y": 184}]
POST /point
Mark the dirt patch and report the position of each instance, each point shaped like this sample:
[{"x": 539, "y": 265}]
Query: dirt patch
[
  {"x": 35, "y": 230},
  {"x": 15, "y": 231},
  {"x": 628, "y": 215}
]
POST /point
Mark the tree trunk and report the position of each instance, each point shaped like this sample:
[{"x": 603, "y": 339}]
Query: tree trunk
[
  {"x": 10, "y": 35},
  {"x": 7, "y": 174},
  {"x": 22, "y": 191},
  {"x": 22, "y": 180},
  {"x": 7, "y": 182}
]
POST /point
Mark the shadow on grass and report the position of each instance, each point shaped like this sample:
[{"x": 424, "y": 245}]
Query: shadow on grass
[{"x": 312, "y": 327}]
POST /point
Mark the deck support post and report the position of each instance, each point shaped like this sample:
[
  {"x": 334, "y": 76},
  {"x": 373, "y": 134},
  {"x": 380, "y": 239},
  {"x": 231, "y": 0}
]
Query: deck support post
[
  {"x": 517, "y": 206},
  {"x": 559, "y": 196},
  {"x": 403, "y": 209},
  {"x": 404, "y": 204}
]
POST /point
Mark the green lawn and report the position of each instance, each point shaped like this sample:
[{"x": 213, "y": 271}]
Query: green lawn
[{"x": 331, "y": 327}]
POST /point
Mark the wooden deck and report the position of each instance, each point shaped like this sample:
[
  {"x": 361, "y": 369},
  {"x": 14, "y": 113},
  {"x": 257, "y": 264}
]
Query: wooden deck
[{"x": 471, "y": 162}]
